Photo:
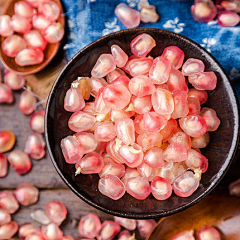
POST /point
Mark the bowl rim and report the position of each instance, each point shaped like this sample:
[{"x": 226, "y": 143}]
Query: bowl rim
[{"x": 210, "y": 188}]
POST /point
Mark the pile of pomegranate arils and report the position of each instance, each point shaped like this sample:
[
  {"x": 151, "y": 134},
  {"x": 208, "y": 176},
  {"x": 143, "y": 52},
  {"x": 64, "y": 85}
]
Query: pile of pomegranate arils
[
  {"x": 29, "y": 30},
  {"x": 143, "y": 132}
]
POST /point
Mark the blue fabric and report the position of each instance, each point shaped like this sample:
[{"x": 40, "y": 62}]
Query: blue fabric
[{"x": 91, "y": 19}]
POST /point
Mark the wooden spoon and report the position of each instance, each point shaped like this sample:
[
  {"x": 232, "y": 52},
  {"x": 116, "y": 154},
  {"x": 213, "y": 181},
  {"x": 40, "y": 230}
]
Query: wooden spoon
[
  {"x": 219, "y": 211},
  {"x": 49, "y": 52}
]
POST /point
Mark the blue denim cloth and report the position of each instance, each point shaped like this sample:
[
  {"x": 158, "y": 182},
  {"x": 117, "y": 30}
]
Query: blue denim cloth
[{"x": 91, "y": 19}]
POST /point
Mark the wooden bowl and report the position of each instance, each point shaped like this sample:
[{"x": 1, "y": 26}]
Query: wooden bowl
[
  {"x": 220, "y": 151},
  {"x": 49, "y": 52}
]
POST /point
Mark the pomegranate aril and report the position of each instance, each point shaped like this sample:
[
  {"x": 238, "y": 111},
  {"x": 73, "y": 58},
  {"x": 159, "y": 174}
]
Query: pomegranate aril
[
  {"x": 51, "y": 232},
  {"x": 232, "y": 5},
  {"x": 54, "y": 33},
  {"x": 40, "y": 22},
  {"x": 125, "y": 235},
  {"x": 87, "y": 141},
  {"x": 154, "y": 158},
  {"x": 40, "y": 216},
  {"x": 186, "y": 235},
  {"x": 201, "y": 142},
  {"x": 169, "y": 129},
  {"x": 130, "y": 173},
  {"x": 142, "y": 104},
  {"x": 112, "y": 168},
  {"x": 140, "y": 66},
  {"x": 161, "y": 188},
  {"x": 6, "y": 95},
  {"x": 208, "y": 233},
  {"x": 27, "y": 103},
  {"x": 145, "y": 227},
  {"x": 23, "y": 9},
  {"x": 5, "y": 217},
  {"x": 8, "y": 202},
  {"x": 180, "y": 104},
  {"x": 109, "y": 230},
  {"x": 147, "y": 172},
  {"x": 115, "y": 74},
  {"x": 35, "y": 40},
  {"x": 19, "y": 161},
  {"x": 49, "y": 9},
  {"x": 193, "y": 106},
  {"x": 176, "y": 81},
  {"x": 35, "y": 236},
  {"x": 191, "y": 66},
  {"x": 73, "y": 100},
  {"x": 139, "y": 125},
  {"x": 149, "y": 14},
  {"x": 56, "y": 212},
  {"x": 29, "y": 56},
  {"x": 96, "y": 84},
  {"x": 148, "y": 140},
  {"x": 3, "y": 166},
  {"x": 175, "y": 152},
  {"x": 196, "y": 160},
  {"x": 14, "y": 81},
  {"x": 138, "y": 187},
  {"x": 154, "y": 122},
  {"x": 89, "y": 226},
  {"x": 203, "y": 80},
  {"x": 129, "y": 224},
  {"x": 26, "y": 229},
  {"x": 119, "y": 56},
  {"x": 20, "y": 24},
  {"x": 234, "y": 188},
  {"x": 129, "y": 17},
  {"x": 37, "y": 121},
  {"x": 201, "y": 95},
  {"x": 113, "y": 150},
  {"x": 181, "y": 137},
  {"x": 7, "y": 140},
  {"x": 122, "y": 80},
  {"x": 26, "y": 194},
  {"x": 175, "y": 55},
  {"x": 104, "y": 131},
  {"x": 211, "y": 118},
  {"x": 82, "y": 83},
  {"x": 8, "y": 230},
  {"x": 5, "y": 26}
]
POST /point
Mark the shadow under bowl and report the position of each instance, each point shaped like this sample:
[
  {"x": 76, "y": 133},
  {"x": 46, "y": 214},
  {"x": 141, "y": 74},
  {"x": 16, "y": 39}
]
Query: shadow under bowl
[{"x": 220, "y": 151}]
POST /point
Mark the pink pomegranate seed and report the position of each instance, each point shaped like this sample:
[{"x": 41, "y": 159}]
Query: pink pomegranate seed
[
  {"x": 123, "y": 80},
  {"x": 116, "y": 115},
  {"x": 35, "y": 40},
  {"x": 51, "y": 232},
  {"x": 50, "y": 10},
  {"x": 29, "y": 56},
  {"x": 203, "y": 11},
  {"x": 208, "y": 233},
  {"x": 7, "y": 140},
  {"x": 81, "y": 121},
  {"x": 112, "y": 168},
  {"x": 73, "y": 100},
  {"x": 162, "y": 101},
  {"x": 89, "y": 226},
  {"x": 99, "y": 105},
  {"x": 54, "y": 32},
  {"x": 104, "y": 131},
  {"x": 191, "y": 66},
  {"x": 8, "y": 230},
  {"x": 228, "y": 19},
  {"x": 148, "y": 13},
  {"x": 89, "y": 107},
  {"x": 112, "y": 94},
  {"x": 142, "y": 104},
  {"x": 72, "y": 150},
  {"x": 196, "y": 160},
  {"x": 119, "y": 56},
  {"x": 148, "y": 140},
  {"x": 5, "y": 217},
  {"x": 145, "y": 227},
  {"x": 37, "y": 121},
  {"x": 115, "y": 74},
  {"x": 27, "y": 103},
  {"x": 130, "y": 173},
  {"x": 160, "y": 70},
  {"x": 35, "y": 236},
  {"x": 142, "y": 45},
  {"x": 23, "y": 9},
  {"x": 109, "y": 230},
  {"x": 5, "y": 26},
  {"x": 232, "y": 5},
  {"x": 203, "y": 80},
  {"x": 176, "y": 81},
  {"x": 201, "y": 95},
  {"x": 20, "y": 24},
  {"x": 125, "y": 235},
  {"x": 26, "y": 194},
  {"x": 19, "y": 161},
  {"x": 3, "y": 166},
  {"x": 210, "y": 116},
  {"x": 113, "y": 151},
  {"x": 140, "y": 66},
  {"x": 234, "y": 188},
  {"x": 8, "y": 202},
  {"x": 180, "y": 104},
  {"x": 181, "y": 137},
  {"x": 186, "y": 235},
  {"x": 175, "y": 55},
  {"x": 201, "y": 142},
  {"x": 175, "y": 152},
  {"x": 40, "y": 22},
  {"x": 154, "y": 158},
  {"x": 138, "y": 187},
  {"x": 96, "y": 84},
  {"x": 126, "y": 67},
  {"x": 169, "y": 129},
  {"x": 91, "y": 163},
  {"x": 40, "y": 217},
  {"x": 14, "y": 81},
  {"x": 129, "y": 224},
  {"x": 35, "y": 146},
  {"x": 87, "y": 141},
  {"x": 193, "y": 106},
  {"x": 185, "y": 184},
  {"x": 193, "y": 125},
  {"x": 139, "y": 125},
  {"x": 161, "y": 188},
  {"x": 154, "y": 122},
  {"x": 147, "y": 172},
  {"x": 26, "y": 229},
  {"x": 67, "y": 237},
  {"x": 129, "y": 17},
  {"x": 12, "y": 45}
]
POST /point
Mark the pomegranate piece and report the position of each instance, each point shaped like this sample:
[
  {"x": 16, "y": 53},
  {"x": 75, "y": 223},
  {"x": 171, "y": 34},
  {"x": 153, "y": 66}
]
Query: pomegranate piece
[
  {"x": 113, "y": 150},
  {"x": 154, "y": 122},
  {"x": 181, "y": 137},
  {"x": 147, "y": 172},
  {"x": 169, "y": 129},
  {"x": 73, "y": 100},
  {"x": 23, "y": 9},
  {"x": 87, "y": 141},
  {"x": 139, "y": 125},
  {"x": 115, "y": 74},
  {"x": 149, "y": 14},
  {"x": 3, "y": 167},
  {"x": 208, "y": 233},
  {"x": 91, "y": 163},
  {"x": 180, "y": 104},
  {"x": 96, "y": 84},
  {"x": 138, "y": 187},
  {"x": 51, "y": 232},
  {"x": 89, "y": 225},
  {"x": 122, "y": 80},
  {"x": 185, "y": 184},
  {"x": 116, "y": 115},
  {"x": 56, "y": 212},
  {"x": 35, "y": 146},
  {"x": 26, "y": 229},
  {"x": 193, "y": 106},
  {"x": 8, "y": 202},
  {"x": 7, "y": 140},
  {"x": 5, "y": 217},
  {"x": 161, "y": 188},
  {"x": 20, "y": 24},
  {"x": 109, "y": 230},
  {"x": 35, "y": 40},
  {"x": 140, "y": 66},
  {"x": 186, "y": 235},
  {"x": 203, "y": 80},
  {"x": 148, "y": 140},
  {"x": 129, "y": 224},
  {"x": 6, "y": 95},
  {"x": 142, "y": 104},
  {"x": 193, "y": 125},
  {"x": 37, "y": 121},
  {"x": 104, "y": 131},
  {"x": 40, "y": 216},
  {"x": 14, "y": 81},
  {"x": 84, "y": 86},
  {"x": 35, "y": 236},
  {"x": 211, "y": 118},
  {"x": 154, "y": 158},
  {"x": 145, "y": 227},
  {"x": 72, "y": 150},
  {"x": 8, "y": 230},
  {"x": 126, "y": 235},
  {"x": 232, "y": 5},
  {"x": 119, "y": 56},
  {"x": 196, "y": 160},
  {"x": 112, "y": 168},
  {"x": 191, "y": 66},
  {"x": 5, "y": 26},
  {"x": 129, "y": 17},
  {"x": 162, "y": 101},
  {"x": 175, "y": 152},
  {"x": 54, "y": 32},
  {"x": 176, "y": 81},
  {"x": 27, "y": 103},
  {"x": 203, "y": 11},
  {"x": 29, "y": 56},
  {"x": 130, "y": 173},
  {"x": 12, "y": 45},
  {"x": 49, "y": 9},
  {"x": 175, "y": 55},
  {"x": 201, "y": 95},
  {"x": 234, "y": 188},
  {"x": 40, "y": 22},
  {"x": 19, "y": 161},
  {"x": 116, "y": 97},
  {"x": 99, "y": 105},
  {"x": 81, "y": 121},
  {"x": 201, "y": 142}
]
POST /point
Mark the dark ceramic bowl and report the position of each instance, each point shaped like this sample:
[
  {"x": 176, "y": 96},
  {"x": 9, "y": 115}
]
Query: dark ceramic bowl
[{"x": 220, "y": 151}]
